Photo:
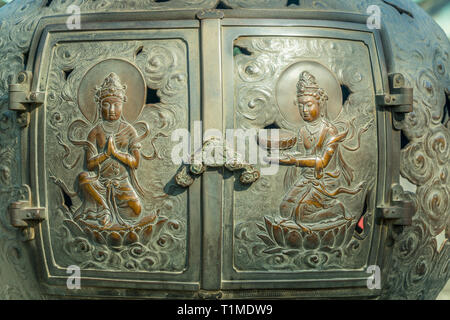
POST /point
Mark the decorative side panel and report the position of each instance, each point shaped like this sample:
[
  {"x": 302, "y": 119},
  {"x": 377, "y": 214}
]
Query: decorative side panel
[
  {"x": 110, "y": 112},
  {"x": 317, "y": 211}
]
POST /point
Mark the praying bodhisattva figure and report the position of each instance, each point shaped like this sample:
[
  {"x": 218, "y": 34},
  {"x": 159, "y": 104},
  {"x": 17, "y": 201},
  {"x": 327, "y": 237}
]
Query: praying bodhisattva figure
[{"x": 109, "y": 186}]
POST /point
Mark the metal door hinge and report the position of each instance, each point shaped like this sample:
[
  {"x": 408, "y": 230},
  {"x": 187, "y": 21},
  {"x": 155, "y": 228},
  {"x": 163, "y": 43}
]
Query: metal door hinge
[
  {"x": 399, "y": 99},
  {"x": 402, "y": 207},
  {"x": 21, "y": 98},
  {"x": 25, "y": 217}
]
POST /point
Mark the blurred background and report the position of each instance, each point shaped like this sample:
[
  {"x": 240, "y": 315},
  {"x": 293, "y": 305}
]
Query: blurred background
[{"x": 440, "y": 11}]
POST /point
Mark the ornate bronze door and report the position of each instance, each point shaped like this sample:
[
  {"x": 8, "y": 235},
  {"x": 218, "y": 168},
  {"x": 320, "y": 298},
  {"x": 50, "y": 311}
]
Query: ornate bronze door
[
  {"x": 114, "y": 203},
  {"x": 100, "y": 153},
  {"x": 315, "y": 222}
]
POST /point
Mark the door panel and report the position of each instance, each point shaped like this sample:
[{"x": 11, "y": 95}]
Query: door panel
[
  {"x": 106, "y": 178},
  {"x": 314, "y": 225}
]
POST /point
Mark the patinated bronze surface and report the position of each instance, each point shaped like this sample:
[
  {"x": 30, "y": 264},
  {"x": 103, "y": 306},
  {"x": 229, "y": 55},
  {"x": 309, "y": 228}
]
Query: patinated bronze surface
[
  {"x": 311, "y": 222},
  {"x": 119, "y": 215},
  {"x": 354, "y": 119}
]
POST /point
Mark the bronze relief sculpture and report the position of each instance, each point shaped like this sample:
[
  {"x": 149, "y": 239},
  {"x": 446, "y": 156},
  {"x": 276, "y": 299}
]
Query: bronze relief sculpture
[
  {"x": 324, "y": 217},
  {"x": 363, "y": 152},
  {"x": 110, "y": 216},
  {"x": 112, "y": 157},
  {"x": 312, "y": 200}
]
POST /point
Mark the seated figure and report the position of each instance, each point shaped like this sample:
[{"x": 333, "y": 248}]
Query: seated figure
[
  {"x": 312, "y": 203},
  {"x": 109, "y": 186}
]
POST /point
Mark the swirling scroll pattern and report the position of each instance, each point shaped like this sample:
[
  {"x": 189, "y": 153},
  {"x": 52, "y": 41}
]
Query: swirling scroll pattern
[
  {"x": 267, "y": 57},
  {"x": 304, "y": 4},
  {"x": 421, "y": 52},
  {"x": 435, "y": 201},
  {"x": 255, "y": 104},
  {"x": 418, "y": 266},
  {"x": 415, "y": 164}
]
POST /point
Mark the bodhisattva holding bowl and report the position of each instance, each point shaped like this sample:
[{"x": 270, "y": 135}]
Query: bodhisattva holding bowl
[{"x": 311, "y": 203}]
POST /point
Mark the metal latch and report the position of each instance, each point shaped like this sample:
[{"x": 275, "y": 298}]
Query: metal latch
[
  {"x": 210, "y": 14},
  {"x": 210, "y": 295},
  {"x": 216, "y": 153},
  {"x": 24, "y": 216},
  {"x": 21, "y": 97},
  {"x": 402, "y": 207},
  {"x": 399, "y": 99}
]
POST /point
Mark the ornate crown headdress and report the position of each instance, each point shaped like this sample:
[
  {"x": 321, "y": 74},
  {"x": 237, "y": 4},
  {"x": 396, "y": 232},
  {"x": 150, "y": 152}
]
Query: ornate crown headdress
[
  {"x": 111, "y": 87},
  {"x": 307, "y": 86}
]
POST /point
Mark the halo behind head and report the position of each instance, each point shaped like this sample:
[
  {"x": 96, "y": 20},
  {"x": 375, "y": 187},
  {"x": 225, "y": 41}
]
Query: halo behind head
[
  {"x": 308, "y": 78},
  {"x": 113, "y": 77}
]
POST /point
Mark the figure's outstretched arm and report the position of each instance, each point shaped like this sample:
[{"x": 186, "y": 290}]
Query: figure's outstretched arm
[
  {"x": 322, "y": 161},
  {"x": 293, "y": 161},
  {"x": 319, "y": 162}
]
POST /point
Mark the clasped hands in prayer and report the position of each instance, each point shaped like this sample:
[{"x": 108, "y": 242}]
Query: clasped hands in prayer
[{"x": 111, "y": 149}]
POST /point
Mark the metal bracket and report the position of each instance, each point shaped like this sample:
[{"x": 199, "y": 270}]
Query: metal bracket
[
  {"x": 210, "y": 295},
  {"x": 402, "y": 208},
  {"x": 21, "y": 97},
  {"x": 216, "y": 153},
  {"x": 399, "y": 99},
  {"x": 25, "y": 217},
  {"x": 210, "y": 14}
]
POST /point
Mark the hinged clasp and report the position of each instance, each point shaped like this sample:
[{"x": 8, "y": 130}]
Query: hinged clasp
[
  {"x": 24, "y": 216},
  {"x": 402, "y": 208},
  {"x": 216, "y": 153},
  {"x": 210, "y": 295},
  {"x": 399, "y": 99},
  {"x": 210, "y": 14},
  {"x": 21, "y": 96}
]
